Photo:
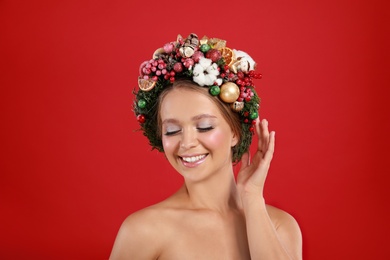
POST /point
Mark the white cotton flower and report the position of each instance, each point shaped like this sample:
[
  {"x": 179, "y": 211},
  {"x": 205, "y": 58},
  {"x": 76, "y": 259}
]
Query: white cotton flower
[
  {"x": 219, "y": 81},
  {"x": 200, "y": 79},
  {"x": 244, "y": 65},
  {"x": 205, "y": 72},
  {"x": 246, "y": 61},
  {"x": 209, "y": 79},
  {"x": 213, "y": 69},
  {"x": 204, "y": 62},
  {"x": 198, "y": 69}
]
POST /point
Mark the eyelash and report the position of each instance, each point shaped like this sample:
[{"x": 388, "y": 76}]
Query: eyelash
[
  {"x": 202, "y": 130},
  {"x": 172, "y": 133}
]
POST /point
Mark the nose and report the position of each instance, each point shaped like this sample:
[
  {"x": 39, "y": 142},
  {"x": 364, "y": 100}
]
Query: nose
[{"x": 188, "y": 139}]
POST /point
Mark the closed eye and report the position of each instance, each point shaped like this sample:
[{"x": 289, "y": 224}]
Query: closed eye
[
  {"x": 171, "y": 132},
  {"x": 204, "y": 129}
]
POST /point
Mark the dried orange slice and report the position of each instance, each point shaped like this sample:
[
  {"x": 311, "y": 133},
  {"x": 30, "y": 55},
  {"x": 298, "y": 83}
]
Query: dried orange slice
[
  {"x": 228, "y": 55},
  {"x": 146, "y": 84},
  {"x": 157, "y": 52}
]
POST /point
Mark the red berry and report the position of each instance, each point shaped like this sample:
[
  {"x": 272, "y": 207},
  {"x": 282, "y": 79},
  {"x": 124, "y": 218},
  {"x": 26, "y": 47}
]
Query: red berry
[
  {"x": 188, "y": 62},
  {"x": 168, "y": 48},
  {"x": 197, "y": 55},
  {"x": 178, "y": 67},
  {"x": 142, "y": 67}
]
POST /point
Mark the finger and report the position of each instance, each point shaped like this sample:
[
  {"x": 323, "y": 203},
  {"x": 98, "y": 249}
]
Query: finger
[
  {"x": 244, "y": 173},
  {"x": 260, "y": 136},
  {"x": 245, "y": 160},
  {"x": 264, "y": 136},
  {"x": 265, "y": 162},
  {"x": 270, "y": 149}
]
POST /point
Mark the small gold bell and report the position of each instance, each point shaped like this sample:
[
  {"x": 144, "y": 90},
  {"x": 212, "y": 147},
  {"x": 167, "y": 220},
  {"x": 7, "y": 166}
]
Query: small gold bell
[{"x": 237, "y": 106}]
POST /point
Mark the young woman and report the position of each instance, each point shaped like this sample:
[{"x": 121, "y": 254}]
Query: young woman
[{"x": 201, "y": 111}]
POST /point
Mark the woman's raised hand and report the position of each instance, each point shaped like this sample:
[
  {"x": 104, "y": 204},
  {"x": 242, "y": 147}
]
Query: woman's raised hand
[{"x": 253, "y": 172}]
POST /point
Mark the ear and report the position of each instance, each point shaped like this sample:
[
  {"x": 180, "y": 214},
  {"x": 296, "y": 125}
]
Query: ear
[{"x": 234, "y": 139}]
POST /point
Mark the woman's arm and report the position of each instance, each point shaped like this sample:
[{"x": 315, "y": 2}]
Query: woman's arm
[{"x": 272, "y": 233}]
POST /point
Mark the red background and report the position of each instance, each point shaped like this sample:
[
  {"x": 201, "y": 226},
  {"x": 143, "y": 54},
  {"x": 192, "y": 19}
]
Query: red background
[{"x": 72, "y": 166}]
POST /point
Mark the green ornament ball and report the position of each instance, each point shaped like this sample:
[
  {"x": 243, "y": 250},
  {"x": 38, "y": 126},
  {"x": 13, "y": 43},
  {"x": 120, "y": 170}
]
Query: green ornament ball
[
  {"x": 141, "y": 103},
  {"x": 205, "y": 47},
  {"x": 253, "y": 115},
  {"x": 215, "y": 90}
]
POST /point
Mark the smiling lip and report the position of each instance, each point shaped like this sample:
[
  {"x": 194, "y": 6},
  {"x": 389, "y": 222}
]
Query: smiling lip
[{"x": 193, "y": 161}]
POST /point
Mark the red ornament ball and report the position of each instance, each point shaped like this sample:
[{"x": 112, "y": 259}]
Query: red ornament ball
[
  {"x": 214, "y": 55},
  {"x": 141, "y": 118}
]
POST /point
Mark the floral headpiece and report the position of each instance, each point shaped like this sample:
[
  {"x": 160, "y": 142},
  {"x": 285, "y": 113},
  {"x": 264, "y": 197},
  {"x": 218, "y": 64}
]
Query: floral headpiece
[{"x": 208, "y": 62}]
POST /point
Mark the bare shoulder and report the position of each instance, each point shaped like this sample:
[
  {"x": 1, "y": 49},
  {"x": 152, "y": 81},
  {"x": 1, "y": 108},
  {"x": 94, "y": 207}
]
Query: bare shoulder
[
  {"x": 288, "y": 230},
  {"x": 280, "y": 217},
  {"x": 140, "y": 235}
]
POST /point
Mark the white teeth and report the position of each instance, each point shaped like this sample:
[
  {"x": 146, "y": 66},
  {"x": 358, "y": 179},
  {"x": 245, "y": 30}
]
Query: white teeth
[{"x": 193, "y": 158}]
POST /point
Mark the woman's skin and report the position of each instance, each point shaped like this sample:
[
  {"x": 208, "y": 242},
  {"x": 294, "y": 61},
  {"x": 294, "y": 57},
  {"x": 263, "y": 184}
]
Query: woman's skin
[{"x": 211, "y": 216}]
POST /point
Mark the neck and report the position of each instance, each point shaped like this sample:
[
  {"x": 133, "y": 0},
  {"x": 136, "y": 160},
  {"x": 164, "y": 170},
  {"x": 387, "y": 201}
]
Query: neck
[{"x": 218, "y": 193}]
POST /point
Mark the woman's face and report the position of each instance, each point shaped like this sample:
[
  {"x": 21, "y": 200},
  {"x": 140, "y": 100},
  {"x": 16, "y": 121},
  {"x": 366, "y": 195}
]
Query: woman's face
[{"x": 196, "y": 138}]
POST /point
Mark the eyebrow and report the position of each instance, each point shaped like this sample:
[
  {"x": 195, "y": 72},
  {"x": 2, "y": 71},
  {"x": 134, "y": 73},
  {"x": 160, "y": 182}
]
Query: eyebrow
[{"x": 194, "y": 118}]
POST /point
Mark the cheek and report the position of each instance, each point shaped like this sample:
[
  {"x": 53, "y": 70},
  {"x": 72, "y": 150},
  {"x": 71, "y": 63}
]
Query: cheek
[
  {"x": 217, "y": 139},
  {"x": 169, "y": 144}
]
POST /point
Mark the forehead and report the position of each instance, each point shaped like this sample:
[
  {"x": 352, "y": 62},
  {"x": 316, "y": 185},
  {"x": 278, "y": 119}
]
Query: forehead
[{"x": 185, "y": 103}]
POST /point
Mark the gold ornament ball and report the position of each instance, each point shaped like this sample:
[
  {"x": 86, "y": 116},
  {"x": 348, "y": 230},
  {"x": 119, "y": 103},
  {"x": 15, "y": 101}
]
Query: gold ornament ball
[{"x": 229, "y": 92}]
